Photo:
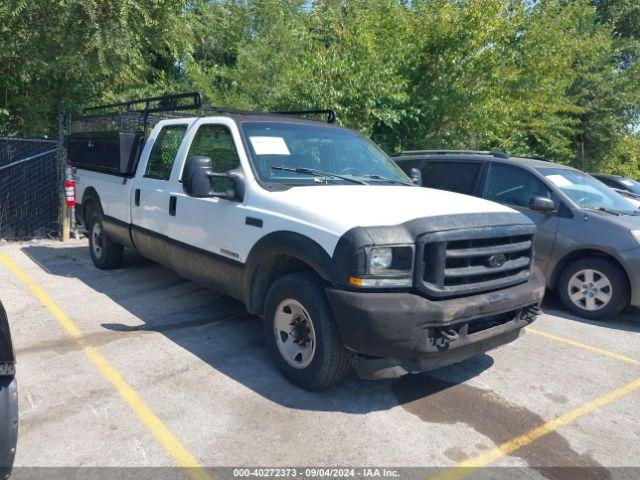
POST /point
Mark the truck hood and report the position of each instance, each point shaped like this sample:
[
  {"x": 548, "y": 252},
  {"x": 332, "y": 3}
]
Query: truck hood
[{"x": 341, "y": 207}]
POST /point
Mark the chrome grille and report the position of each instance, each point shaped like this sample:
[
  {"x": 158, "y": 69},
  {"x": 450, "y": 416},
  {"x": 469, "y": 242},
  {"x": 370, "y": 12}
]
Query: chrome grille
[{"x": 465, "y": 262}]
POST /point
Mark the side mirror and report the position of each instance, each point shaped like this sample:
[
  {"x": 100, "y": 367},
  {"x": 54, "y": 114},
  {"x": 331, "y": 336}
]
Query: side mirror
[
  {"x": 542, "y": 205},
  {"x": 199, "y": 180},
  {"x": 416, "y": 176}
]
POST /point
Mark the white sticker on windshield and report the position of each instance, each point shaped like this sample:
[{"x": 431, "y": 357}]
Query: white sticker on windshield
[
  {"x": 269, "y": 146},
  {"x": 560, "y": 180},
  {"x": 628, "y": 183}
]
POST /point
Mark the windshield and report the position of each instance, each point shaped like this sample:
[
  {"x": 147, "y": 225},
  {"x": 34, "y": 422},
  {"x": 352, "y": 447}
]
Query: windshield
[
  {"x": 588, "y": 192},
  {"x": 630, "y": 185},
  {"x": 301, "y": 154}
]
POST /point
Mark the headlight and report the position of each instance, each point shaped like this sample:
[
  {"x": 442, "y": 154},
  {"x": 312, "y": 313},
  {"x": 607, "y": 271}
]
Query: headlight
[
  {"x": 636, "y": 234},
  {"x": 380, "y": 259},
  {"x": 388, "y": 266}
]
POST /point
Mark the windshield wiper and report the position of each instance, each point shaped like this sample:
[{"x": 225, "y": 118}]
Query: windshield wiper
[
  {"x": 605, "y": 210},
  {"x": 384, "y": 179},
  {"x": 319, "y": 173}
]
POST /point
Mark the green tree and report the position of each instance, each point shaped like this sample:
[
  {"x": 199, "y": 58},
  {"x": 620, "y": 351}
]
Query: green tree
[
  {"x": 63, "y": 54},
  {"x": 553, "y": 77}
]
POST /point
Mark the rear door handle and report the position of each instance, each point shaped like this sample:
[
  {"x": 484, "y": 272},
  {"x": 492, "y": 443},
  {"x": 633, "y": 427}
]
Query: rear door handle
[
  {"x": 137, "y": 197},
  {"x": 172, "y": 205}
]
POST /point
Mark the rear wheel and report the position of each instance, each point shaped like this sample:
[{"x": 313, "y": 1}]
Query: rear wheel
[
  {"x": 593, "y": 288},
  {"x": 301, "y": 333},
  {"x": 105, "y": 253}
]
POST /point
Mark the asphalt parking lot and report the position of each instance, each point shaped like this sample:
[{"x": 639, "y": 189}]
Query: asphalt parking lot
[{"x": 138, "y": 367}]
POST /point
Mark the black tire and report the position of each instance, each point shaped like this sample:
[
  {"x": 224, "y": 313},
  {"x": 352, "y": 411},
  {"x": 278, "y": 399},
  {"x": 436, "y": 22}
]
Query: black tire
[
  {"x": 8, "y": 424},
  {"x": 105, "y": 253},
  {"x": 330, "y": 362},
  {"x": 618, "y": 291}
]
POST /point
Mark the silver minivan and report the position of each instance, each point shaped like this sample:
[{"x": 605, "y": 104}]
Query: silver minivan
[{"x": 588, "y": 238}]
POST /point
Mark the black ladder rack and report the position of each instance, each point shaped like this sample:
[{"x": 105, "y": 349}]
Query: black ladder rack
[
  {"x": 166, "y": 103},
  {"x": 189, "y": 101},
  {"x": 110, "y": 138}
]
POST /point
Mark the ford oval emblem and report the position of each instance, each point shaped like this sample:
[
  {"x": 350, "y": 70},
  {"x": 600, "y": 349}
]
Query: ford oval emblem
[{"x": 497, "y": 260}]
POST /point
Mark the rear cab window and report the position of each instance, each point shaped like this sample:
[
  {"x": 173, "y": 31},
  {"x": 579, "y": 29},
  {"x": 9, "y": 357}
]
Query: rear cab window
[{"x": 164, "y": 150}]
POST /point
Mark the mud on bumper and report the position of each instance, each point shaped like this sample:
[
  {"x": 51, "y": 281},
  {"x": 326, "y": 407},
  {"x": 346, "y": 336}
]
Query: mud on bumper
[{"x": 398, "y": 333}]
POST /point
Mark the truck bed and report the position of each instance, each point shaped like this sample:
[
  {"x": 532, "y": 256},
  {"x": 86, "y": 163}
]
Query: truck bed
[{"x": 114, "y": 192}]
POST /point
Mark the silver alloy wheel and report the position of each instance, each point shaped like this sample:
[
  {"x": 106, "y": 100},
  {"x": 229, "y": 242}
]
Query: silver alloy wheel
[
  {"x": 590, "y": 289},
  {"x": 294, "y": 333},
  {"x": 96, "y": 239}
]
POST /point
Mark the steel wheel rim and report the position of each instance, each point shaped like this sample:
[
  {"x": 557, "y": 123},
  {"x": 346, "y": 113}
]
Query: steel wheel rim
[
  {"x": 590, "y": 290},
  {"x": 96, "y": 239},
  {"x": 294, "y": 333}
]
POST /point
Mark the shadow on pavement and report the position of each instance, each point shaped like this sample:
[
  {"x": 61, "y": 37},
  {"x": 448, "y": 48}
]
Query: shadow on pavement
[{"x": 219, "y": 331}]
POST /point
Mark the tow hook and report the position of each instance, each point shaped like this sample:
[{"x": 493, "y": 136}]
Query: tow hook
[
  {"x": 530, "y": 312},
  {"x": 534, "y": 309},
  {"x": 450, "y": 335}
]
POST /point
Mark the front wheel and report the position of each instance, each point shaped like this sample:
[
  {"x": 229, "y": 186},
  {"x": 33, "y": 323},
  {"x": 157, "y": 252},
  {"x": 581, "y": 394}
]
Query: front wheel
[
  {"x": 8, "y": 424},
  {"x": 301, "y": 333},
  {"x": 105, "y": 253},
  {"x": 593, "y": 288}
]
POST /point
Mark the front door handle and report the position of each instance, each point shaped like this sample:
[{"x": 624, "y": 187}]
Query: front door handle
[
  {"x": 172, "y": 205},
  {"x": 137, "y": 197}
]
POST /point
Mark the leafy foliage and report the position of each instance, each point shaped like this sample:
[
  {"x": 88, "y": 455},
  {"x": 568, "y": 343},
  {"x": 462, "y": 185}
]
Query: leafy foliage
[
  {"x": 67, "y": 53},
  {"x": 556, "y": 78}
]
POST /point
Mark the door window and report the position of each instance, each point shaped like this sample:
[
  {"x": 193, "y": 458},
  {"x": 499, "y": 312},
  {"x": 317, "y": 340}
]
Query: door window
[
  {"x": 460, "y": 177},
  {"x": 216, "y": 142},
  {"x": 514, "y": 186},
  {"x": 164, "y": 151}
]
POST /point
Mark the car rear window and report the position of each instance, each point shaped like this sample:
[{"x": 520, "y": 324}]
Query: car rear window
[{"x": 457, "y": 177}]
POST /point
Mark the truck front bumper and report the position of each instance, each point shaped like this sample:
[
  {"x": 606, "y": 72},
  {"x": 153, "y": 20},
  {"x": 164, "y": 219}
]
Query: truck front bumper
[{"x": 398, "y": 333}]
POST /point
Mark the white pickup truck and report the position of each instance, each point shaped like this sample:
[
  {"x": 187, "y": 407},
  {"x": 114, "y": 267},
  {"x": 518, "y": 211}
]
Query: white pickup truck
[{"x": 317, "y": 231}]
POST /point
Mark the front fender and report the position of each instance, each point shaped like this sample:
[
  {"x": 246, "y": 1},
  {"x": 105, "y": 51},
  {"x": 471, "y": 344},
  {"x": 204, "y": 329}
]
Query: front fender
[{"x": 290, "y": 244}]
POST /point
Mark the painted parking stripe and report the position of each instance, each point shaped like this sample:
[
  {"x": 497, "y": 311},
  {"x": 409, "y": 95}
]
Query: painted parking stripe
[
  {"x": 528, "y": 437},
  {"x": 468, "y": 466},
  {"x": 584, "y": 346},
  {"x": 160, "y": 431}
]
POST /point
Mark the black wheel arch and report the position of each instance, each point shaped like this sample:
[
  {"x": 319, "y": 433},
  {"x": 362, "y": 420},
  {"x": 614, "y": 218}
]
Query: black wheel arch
[
  {"x": 7, "y": 354},
  {"x": 90, "y": 198},
  {"x": 278, "y": 254},
  {"x": 574, "y": 255}
]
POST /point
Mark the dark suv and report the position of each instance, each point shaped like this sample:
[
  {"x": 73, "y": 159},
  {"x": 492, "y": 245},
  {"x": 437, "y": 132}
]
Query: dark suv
[
  {"x": 8, "y": 399},
  {"x": 588, "y": 239}
]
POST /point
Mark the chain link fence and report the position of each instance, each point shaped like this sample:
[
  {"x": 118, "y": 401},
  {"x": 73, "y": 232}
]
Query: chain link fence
[{"x": 30, "y": 186}]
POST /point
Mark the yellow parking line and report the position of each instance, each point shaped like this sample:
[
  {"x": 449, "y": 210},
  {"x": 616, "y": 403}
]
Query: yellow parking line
[
  {"x": 166, "y": 438},
  {"x": 466, "y": 467},
  {"x": 617, "y": 356}
]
